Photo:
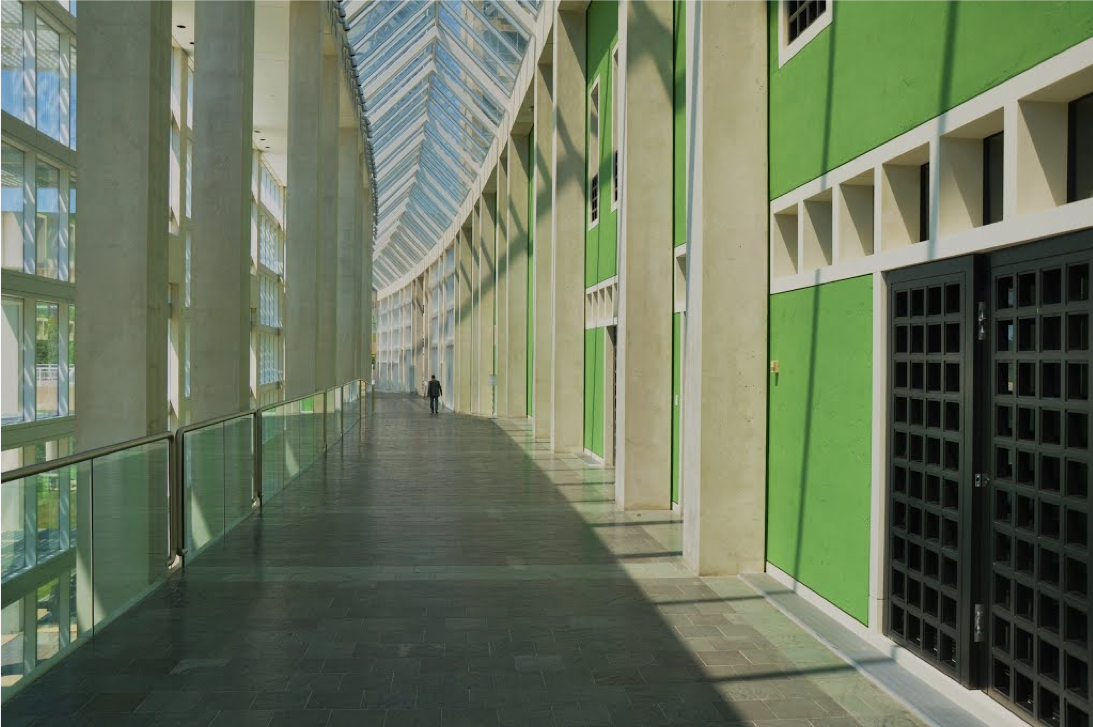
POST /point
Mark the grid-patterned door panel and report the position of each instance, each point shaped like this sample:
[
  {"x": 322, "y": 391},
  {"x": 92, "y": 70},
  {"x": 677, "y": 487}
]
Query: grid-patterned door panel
[
  {"x": 929, "y": 491},
  {"x": 1038, "y": 457}
]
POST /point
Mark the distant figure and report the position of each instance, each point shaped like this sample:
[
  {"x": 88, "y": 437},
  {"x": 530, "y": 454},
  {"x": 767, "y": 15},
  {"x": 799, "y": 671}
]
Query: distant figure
[{"x": 434, "y": 392}]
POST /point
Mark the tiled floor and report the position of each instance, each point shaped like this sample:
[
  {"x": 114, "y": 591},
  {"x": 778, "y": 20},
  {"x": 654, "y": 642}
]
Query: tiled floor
[{"x": 446, "y": 570}]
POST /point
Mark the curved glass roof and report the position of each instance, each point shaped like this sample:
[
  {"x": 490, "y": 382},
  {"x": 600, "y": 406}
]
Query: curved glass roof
[{"x": 436, "y": 76}]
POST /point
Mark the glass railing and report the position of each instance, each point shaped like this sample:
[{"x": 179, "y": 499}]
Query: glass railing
[{"x": 87, "y": 536}]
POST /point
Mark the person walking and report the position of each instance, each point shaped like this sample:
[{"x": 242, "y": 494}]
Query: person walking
[{"x": 434, "y": 393}]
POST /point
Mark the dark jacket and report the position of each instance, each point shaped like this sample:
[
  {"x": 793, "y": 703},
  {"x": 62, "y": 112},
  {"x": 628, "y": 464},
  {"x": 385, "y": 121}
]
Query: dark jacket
[{"x": 434, "y": 391}]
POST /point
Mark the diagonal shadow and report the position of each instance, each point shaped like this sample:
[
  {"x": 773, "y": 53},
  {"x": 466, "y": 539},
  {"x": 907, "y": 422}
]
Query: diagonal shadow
[{"x": 426, "y": 571}]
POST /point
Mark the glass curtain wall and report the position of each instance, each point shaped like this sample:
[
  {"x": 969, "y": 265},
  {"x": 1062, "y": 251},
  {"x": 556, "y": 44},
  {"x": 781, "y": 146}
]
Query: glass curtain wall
[
  {"x": 269, "y": 210},
  {"x": 38, "y": 221}
]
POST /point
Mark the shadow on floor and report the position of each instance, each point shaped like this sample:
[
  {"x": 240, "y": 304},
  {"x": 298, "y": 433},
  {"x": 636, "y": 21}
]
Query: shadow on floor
[{"x": 430, "y": 572}]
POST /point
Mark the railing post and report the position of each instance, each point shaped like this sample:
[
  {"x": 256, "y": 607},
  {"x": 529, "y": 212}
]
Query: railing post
[
  {"x": 258, "y": 457},
  {"x": 176, "y": 492}
]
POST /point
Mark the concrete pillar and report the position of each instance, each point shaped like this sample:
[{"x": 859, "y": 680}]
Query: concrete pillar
[
  {"x": 464, "y": 338},
  {"x": 543, "y": 293},
  {"x": 476, "y": 306},
  {"x": 487, "y": 297},
  {"x": 516, "y": 334},
  {"x": 124, "y": 85},
  {"x": 568, "y": 222},
  {"x": 348, "y": 307},
  {"x": 326, "y": 246},
  {"x": 368, "y": 294},
  {"x": 725, "y": 360},
  {"x": 501, "y": 392},
  {"x": 644, "y": 404},
  {"x": 304, "y": 70},
  {"x": 220, "y": 311},
  {"x": 123, "y": 162}
]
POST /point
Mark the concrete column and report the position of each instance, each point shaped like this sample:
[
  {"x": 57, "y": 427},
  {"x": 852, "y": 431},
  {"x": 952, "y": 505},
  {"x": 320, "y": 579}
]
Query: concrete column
[
  {"x": 501, "y": 392},
  {"x": 644, "y": 405},
  {"x": 220, "y": 311},
  {"x": 568, "y": 221},
  {"x": 487, "y": 297},
  {"x": 724, "y": 420},
  {"x": 123, "y": 162},
  {"x": 348, "y": 309},
  {"x": 516, "y": 334},
  {"x": 543, "y": 293},
  {"x": 368, "y": 294},
  {"x": 326, "y": 246},
  {"x": 304, "y": 70},
  {"x": 464, "y": 299},
  {"x": 476, "y": 306},
  {"x": 124, "y": 87}
]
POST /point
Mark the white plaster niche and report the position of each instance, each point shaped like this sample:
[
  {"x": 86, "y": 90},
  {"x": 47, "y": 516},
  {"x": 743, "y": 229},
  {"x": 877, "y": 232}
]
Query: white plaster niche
[
  {"x": 1042, "y": 137},
  {"x": 816, "y": 228},
  {"x": 962, "y": 164},
  {"x": 905, "y": 199},
  {"x": 784, "y": 241},
  {"x": 854, "y": 217}
]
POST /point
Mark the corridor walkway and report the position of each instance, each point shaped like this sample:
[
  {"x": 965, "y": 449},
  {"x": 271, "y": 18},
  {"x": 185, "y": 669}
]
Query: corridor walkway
[{"x": 448, "y": 571}]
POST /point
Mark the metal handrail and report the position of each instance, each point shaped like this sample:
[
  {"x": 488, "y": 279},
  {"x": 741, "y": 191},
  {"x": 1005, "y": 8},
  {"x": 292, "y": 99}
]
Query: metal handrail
[
  {"x": 176, "y": 474},
  {"x": 41, "y": 468}
]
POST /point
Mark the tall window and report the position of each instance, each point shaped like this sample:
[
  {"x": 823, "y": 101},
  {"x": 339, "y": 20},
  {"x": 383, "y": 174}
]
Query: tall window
[
  {"x": 72, "y": 229},
  {"x": 47, "y": 58},
  {"x": 72, "y": 96},
  {"x": 1080, "y": 156},
  {"x": 47, "y": 219},
  {"x": 11, "y": 204},
  {"x": 71, "y": 359},
  {"x": 616, "y": 124},
  {"x": 993, "y": 156},
  {"x": 47, "y": 360},
  {"x": 594, "y": 154},
  {"x": 11, "y": 78},
  {"x": 12, "y": 353}
]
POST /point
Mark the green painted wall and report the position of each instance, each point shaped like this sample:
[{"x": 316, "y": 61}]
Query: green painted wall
[
  {"x": 594, "y": 389},
  {"x": 820, "y": 432},
  {"x": 602, "y": 34},
  {"x": 679, "y": 125},
  {"x": 677, "y": 393},
  {"x": 882, "y": 68},
  {"x": 531, "y": 275}
]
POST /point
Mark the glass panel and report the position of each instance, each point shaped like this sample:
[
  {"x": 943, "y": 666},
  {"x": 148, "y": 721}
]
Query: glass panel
[
  {"x": 13, "y": 552},
  {"x": 48, "y": 618},
  {"x": 51, "y": 537},
  {"x": 189, "y": 176},
  {"x": 238, "y": 470},
  {"x": 71, "y": 359},
  {"x": 130, "y": 517},
  {"x": 188, "y": 253},
  {"x": 11, "y": 201},
  {"x": 203, "y": 458},
  {"x": 46, "y": 359},
  {"x": 11, "y": 77},
  {"x": 48, "y": 90},
  {"x": 11, "y": 652},
  {"x": 12, "y": 372},
  {"x": 47, "y": 182},
  {"x": 72, "y": 94},
  {"x": 72, "y": 229},
  {"x": 186, "y": 359}
]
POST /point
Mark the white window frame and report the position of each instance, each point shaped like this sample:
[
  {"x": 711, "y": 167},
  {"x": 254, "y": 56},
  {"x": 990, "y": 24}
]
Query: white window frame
[{"x": 786, "y": 49}]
